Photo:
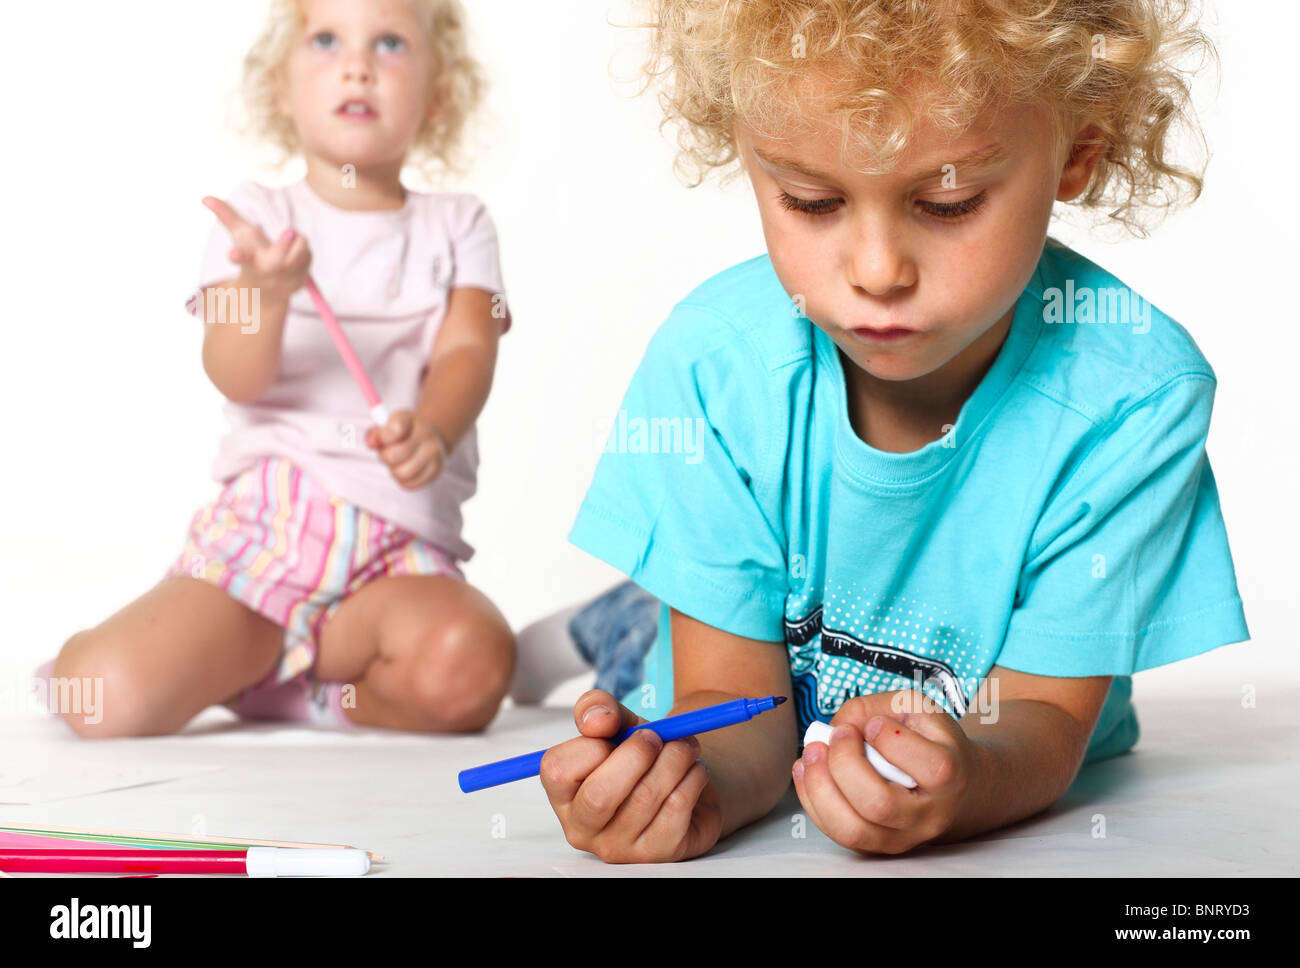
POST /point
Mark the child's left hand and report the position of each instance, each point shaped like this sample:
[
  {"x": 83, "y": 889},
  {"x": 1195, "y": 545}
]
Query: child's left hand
[
  {"x": 858, "y": 808},
  {"x": 411, "y": 447}
]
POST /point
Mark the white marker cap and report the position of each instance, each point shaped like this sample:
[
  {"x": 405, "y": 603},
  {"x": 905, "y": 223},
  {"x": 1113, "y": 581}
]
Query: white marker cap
[
  {"x": 306, "y": 862},
  {"x": 819, "y": 732}
]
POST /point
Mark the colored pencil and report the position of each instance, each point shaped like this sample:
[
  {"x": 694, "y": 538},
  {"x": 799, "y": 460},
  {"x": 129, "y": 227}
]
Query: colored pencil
[
  {"x": 143, "y": 839},
  {"x": 254, "y": 861}
]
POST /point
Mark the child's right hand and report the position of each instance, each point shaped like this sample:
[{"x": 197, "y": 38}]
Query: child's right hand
[
  {"x": 277, "y": 268},
  {"x": 639, "y": 802}
]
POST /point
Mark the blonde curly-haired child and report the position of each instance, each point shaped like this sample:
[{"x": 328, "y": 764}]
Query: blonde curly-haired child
[
  {"x": 953, "y": 489},
  {"x": 323, "y": 583}
]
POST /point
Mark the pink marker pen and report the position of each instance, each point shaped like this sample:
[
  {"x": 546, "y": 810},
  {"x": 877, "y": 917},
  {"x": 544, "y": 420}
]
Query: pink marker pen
[{"x": 378, "y": 412}]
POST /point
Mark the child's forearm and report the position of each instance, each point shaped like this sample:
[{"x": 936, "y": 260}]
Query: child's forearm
[
  {"x": 243, "y": 335},
  {"x": 749, "y": 764},
  {"x": 455, "y": 389},
  {"x": 1027, "y": 759}
]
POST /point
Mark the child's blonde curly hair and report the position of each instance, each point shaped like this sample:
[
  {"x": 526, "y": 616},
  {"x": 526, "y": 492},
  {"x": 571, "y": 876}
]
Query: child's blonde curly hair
[
  {"x": 456, "y": 82},
  {"x": 1112, "y": 61}
]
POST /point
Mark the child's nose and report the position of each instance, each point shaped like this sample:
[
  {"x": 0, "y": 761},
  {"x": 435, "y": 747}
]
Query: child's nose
[
  {"x": 879, "y": 262},
  {"x": 357, "y": 67}
]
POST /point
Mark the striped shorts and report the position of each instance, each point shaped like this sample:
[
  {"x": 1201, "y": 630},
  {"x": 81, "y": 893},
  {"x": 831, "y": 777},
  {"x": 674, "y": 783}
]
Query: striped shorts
[{"x": 281, "y": 544}]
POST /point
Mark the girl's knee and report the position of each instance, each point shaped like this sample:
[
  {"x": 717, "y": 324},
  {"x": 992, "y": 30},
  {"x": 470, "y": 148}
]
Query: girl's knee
[
  {"x": 462, "y": 672},
  {"x": 72, "y": 650},
  {"x": 95, "y": 690}
]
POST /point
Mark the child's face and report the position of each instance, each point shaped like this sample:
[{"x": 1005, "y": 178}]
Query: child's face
[
  {"x": 878, "y": 254},
  {"x": 371, "y": 51}
]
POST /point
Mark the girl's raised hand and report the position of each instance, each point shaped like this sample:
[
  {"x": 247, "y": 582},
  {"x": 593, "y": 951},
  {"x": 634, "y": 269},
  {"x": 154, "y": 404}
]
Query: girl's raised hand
[{"x": 277, "y": 268}]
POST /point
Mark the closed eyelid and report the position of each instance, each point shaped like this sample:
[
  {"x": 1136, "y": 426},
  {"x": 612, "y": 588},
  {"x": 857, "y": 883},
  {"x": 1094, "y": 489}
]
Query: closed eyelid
[{"x": 950, "y": 212}]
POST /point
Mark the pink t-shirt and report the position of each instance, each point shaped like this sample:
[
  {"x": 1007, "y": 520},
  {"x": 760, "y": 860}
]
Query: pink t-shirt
[{"x": 387, "y": 276}]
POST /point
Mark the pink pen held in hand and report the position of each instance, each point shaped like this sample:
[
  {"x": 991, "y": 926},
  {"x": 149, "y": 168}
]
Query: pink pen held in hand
[{"x": 378, "y": 412}]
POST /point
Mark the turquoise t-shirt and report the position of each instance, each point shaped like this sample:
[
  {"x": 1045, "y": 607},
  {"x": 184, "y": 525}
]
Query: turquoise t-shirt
[{"x": 1067, "y": 525}]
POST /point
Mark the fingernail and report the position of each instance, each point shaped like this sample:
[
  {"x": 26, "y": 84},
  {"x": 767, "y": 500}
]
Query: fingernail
[
  {"x": 695, "y": 744},
  {"x": 841, "y": 732},
  {"x": 289, "y": 235},
  {"x": 798, "y": 769},
  {"x": 874, "y": 727},
  {"x": 652, "y": 738},
  {"x": 594, "y": 711},
  {"x": 813, "y": 753}
]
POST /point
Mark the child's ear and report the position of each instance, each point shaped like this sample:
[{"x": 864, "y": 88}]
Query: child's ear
[{"x": 1089, "y": 145}]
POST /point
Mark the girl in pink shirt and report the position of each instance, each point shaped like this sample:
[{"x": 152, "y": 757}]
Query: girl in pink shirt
[{"x": 323, "y": 584}]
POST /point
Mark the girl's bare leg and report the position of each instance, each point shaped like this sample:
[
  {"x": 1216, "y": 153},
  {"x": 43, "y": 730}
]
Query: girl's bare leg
[
  {"x": 423, "y": 652},
  {"x": 180, "y": 647}
]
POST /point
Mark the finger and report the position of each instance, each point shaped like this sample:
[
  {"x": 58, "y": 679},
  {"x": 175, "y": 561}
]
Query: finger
[
  {"x": 421, "y": 477},
  {"x": 298, "y": 255},
  {"x": 278, "y": 255},
  {"x": 398, "y": 453},
  {"x": 420, "y": 462},
  {"x": 597, "y": 713},
  {"x": 835, "y": 815},
  {"x": 398, "y": 427},
  {"x": 566, "y": 766},
  {"x": 797, "y": 774},
  {"x": 706, "y": 824},
  {"x": 676, "y": 824},
  {"x": 859, "y": 711},
  {"x": 919, "y": 756},
  {"x": 228, "y": 216},
  {"x": 267, "y": 257},
  {"x": 872, "y": 797},
  {"x": 914, "y": 726},
  {"x": 237, "y": 256},
  {"x": 601, "y": 795},
  {"x": 647, "y": 798},
  {"x": 286, "y": 245}
]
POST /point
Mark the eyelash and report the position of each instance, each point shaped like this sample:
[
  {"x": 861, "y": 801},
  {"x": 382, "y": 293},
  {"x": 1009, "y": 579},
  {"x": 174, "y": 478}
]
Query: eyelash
[{"x": 950, "y": 211}]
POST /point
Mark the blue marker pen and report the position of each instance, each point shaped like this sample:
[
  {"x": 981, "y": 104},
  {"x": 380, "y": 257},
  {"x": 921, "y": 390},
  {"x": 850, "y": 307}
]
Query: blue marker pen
[{"x": 668, "y": 728}]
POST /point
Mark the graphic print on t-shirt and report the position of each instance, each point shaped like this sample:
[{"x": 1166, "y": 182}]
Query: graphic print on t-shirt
[{"x": 841, "y": 651}]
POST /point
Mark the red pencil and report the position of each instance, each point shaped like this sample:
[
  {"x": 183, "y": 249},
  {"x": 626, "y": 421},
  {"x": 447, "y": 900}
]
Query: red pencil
[{"x": 255, "y": 862}]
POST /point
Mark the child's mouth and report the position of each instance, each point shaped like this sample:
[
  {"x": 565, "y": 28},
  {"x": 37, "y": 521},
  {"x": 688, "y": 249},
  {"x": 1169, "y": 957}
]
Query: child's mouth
[
  {"x": 881, "y": 335},
  {"x": 357, "y": 109}
]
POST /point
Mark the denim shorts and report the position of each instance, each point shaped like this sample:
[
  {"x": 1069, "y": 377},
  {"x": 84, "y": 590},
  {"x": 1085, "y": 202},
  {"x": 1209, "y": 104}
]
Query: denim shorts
[{"x": 614, "y": 633}]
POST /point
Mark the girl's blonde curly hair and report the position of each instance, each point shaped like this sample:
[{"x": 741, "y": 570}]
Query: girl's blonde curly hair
[
  {"x": 456, "y": 82},
  {"x": 1108, "y": 61}
]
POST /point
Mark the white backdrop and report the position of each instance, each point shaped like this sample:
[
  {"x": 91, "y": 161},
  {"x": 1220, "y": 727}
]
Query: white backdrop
[{"x": 118, "y": 126}]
